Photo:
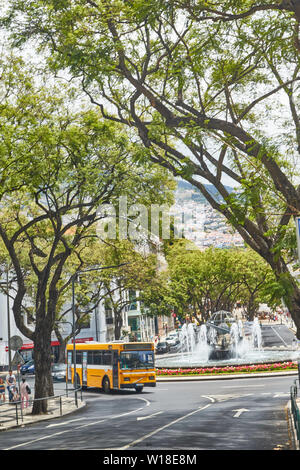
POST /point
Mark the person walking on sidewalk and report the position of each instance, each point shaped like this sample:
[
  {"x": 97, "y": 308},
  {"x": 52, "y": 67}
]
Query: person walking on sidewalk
[
  {"x": 24, "y": 389},
  {"x": 2, "y": 390},
  {"x": 10, "y": 382}
]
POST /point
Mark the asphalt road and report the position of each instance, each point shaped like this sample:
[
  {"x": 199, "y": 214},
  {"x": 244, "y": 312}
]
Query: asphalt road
[
  {"x": 227, "y": 414},
  {"x": 277, "y": 335},
  {"x": 239, "y": 414}
]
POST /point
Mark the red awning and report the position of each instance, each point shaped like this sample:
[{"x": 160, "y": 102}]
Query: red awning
[
  {"x": 53, "y": 343},
  {"x": 31, "y": 345},
  {"x": 83, "y": 340}
]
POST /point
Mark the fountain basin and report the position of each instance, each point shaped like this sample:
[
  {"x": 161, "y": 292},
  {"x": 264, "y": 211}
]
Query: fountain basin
[{"x": 188, "y": 360}]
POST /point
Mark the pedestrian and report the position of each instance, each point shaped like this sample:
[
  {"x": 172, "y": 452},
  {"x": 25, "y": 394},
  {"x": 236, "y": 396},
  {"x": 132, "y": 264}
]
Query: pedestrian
[
  {"x": 2, "y": 390},
  {"x": 24, "y": 390},
  {"x": 10, "y": 383},
  {"x": 15, "y": 393}
]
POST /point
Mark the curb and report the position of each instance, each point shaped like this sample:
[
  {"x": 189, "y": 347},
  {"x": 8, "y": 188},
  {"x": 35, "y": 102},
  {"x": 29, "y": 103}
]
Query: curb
[
  {"x": 224, "y": 376},
  {"x": 30, "y": 419}
]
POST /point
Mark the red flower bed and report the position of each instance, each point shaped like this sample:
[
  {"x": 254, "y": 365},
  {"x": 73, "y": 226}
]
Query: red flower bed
[{"x": 229, "y": 369}]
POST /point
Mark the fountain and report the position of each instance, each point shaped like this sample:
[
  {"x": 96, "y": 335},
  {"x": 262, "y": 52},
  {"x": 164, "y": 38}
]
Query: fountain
[
  {"x": 198, "y": 347},
  {"x": 256, "y": 335}
]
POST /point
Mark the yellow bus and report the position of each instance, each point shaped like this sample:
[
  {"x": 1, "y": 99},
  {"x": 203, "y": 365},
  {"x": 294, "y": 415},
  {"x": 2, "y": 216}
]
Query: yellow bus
[{"x": 112, "y": 366}]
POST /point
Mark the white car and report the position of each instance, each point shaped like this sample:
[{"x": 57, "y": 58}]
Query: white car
[{"x": 172, "y": 340}]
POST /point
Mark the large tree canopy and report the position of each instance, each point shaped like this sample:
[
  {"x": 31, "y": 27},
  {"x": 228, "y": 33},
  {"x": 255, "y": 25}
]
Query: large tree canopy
[
  {"x": 59, "y": 162},
  {"x": 210, "y": 88}
]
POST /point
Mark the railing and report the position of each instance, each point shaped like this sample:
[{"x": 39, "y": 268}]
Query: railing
[
  {"x": 295, "y": 410},
  {"x": 14, "y": 411}
]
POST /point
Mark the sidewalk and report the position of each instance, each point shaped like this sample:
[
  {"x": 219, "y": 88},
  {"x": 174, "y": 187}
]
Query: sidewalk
[{"x": 57, "y": 407}]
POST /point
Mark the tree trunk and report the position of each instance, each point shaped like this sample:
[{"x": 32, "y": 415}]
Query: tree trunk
[
  {"x": 118, "y": 323},
  {"x": 294, "y": 308},
  {"x": 251, "y": 308},
  {"x": 292, "y": 296},
  {"x": 42, "y": 365},
  {"x": 62, "y": 352}
]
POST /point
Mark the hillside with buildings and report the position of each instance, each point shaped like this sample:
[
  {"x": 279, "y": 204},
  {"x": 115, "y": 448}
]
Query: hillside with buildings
[{"x": 201, "y": 223}]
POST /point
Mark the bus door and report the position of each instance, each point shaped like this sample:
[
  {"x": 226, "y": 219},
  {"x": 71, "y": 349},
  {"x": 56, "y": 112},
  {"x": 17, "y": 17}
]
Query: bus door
[
  {"x": 84, "y": 367},
  {"x": 115, "y": 361}
]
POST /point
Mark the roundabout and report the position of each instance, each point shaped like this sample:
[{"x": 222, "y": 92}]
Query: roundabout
[{"x": 231, "y": 348}]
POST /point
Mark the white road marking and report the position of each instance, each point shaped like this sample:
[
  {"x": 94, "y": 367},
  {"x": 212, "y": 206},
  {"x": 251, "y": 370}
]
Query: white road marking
[
  {"x": 79, "y": 427},
  {"x": 141, "y": 439},
  {"x": 36, "y": 440},
  {"x": 279, "y": 336},
  {"x": 242, "y": 386},
  {"x": 140, "y": 418},
  {"x": 65, "y": 422},
  {"x": 220, "y": 398},
  {"x": 209, "y": 398},
  {"x": 239, "y": 412}
]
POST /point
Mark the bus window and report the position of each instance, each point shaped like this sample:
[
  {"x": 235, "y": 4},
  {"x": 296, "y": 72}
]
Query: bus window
[
  {"x": 137, "y": 360},
  {"x": 107, "y": 358},
  {"x": 90, "y": 359},
  {"x": 98, "y": 358},
  {"x": 78, "y": 357}
]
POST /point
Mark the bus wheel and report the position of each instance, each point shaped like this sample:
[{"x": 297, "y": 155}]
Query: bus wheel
[
  {"x": 106, "y": 385},
  {"x": 139, "y": 388}
]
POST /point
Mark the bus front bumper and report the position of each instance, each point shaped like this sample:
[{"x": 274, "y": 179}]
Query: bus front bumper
[{"x": 134, "y": 385}]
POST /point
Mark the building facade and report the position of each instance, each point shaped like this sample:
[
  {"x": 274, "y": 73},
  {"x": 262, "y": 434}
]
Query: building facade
[{"x": 100, "y": 327}]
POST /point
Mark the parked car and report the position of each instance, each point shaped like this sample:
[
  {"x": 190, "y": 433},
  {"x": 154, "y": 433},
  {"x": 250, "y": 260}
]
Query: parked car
[
  {"x": 59, "y": 372},
  {"x": 28, "y": 367},
  {"x": 172, "y": 340},
  {"x": 162, "y": 347}
]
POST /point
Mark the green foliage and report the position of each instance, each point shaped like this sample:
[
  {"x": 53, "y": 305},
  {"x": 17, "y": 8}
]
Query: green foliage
[
  {"x": 211, "y": 89},
  {"x": 57, "y": 166},
  {"x": 214, "y": 279}
]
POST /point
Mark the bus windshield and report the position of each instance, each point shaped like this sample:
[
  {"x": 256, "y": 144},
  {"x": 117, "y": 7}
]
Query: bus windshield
[{"x": 137, "y": 360}]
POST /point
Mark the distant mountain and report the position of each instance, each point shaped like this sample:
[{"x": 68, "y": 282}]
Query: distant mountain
[{"x": 197, "y": 195}]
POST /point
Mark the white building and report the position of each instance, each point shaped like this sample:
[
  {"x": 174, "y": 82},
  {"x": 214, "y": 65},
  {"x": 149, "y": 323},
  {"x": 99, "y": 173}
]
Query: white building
[{"x": 99, "y": 327}]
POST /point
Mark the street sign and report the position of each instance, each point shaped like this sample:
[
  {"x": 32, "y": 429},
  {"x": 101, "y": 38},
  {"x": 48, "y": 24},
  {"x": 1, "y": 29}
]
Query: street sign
[
  {"x": 16, "y": 343},
  {"x": 297, "y": 221},
  {"x": 17, "y": 359}
]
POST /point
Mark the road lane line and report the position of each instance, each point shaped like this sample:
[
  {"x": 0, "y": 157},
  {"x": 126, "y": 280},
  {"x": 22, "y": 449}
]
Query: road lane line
[
  {"x": 79, "y": 427},
  {"x": 141, "y": 418},
  {"x": 65, "y": 422},
  {"x": 141, "y": 439},
  {"x": 279, "y": 336},
  {"x": 209, "y": 398},
  {"x": 36, "y": 440},
  {"x": 242, "y": 386}
]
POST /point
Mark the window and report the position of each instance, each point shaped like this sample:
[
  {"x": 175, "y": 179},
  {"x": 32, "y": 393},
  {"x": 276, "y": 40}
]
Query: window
[
  {"x": 78, "y": 357},
  {"x": 90, "y": 359},
  {"x": 137, "y": 360},
  {"x": 106, "y": 358},
  {"x": 132, "y": 300},
  {"x": 108, "y": 308},
  {"x": 97, "y": 358}
]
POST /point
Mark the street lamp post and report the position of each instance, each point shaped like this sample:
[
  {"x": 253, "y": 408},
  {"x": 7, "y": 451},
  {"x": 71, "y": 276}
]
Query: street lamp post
[
  {"x": 8, "y": 321},
  {"x": 73, "y": 334},
  {"x": 73, "y": 321},
  {"x": 6, "y": 284}
]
